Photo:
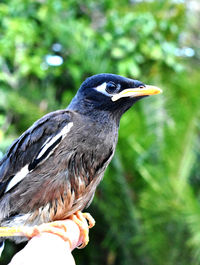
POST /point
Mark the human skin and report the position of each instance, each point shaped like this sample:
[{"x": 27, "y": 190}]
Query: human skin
[{"x": 50, "y": 249}]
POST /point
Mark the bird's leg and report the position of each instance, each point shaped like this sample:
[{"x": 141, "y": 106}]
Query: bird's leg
[
  {"x": 56, "y": 228},
  {"x": 60, "y": 229},
  {"x": 82, "y": 220}
]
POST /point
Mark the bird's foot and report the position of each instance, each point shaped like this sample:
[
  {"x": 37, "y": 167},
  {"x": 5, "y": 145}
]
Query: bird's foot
[
  {"x": 56, "y": 228},
  {"x": 84, "y": 222}
]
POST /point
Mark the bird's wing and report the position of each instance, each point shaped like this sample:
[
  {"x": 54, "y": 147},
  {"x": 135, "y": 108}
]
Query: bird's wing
[{"x": 32, "y": 147}]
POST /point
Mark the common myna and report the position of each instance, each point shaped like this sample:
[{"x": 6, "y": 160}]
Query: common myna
[{"x": 51, "y": 171}]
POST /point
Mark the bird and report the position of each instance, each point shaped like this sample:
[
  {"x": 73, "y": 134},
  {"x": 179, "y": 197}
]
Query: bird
[{"x": 50, "y": 173}]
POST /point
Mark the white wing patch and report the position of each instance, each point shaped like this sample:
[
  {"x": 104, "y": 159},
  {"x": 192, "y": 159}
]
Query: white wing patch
[
  {"x": 17, "y": 178},
  {"x": 48, "y": 144}
]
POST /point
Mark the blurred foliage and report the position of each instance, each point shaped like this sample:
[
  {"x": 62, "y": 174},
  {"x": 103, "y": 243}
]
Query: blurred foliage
[{"x": 147, "y": 207}]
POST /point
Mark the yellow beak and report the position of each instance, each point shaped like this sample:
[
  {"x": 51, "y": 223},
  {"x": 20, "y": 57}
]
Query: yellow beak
[{"x": 137, "y": 92}]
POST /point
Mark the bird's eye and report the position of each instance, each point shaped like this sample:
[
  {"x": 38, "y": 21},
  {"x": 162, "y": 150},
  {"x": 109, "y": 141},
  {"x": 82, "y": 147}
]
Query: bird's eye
[{"x": 111, "y": 87}]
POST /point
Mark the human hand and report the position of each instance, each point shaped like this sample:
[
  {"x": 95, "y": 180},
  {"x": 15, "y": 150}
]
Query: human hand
[{"x": 50, "y": 249}]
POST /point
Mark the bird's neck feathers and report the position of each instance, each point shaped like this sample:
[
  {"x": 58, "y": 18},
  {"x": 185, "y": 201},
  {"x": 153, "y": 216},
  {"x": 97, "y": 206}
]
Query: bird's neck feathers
[
  {"x": 94, "y": 112},
  {"x": 100, "y": 112}
]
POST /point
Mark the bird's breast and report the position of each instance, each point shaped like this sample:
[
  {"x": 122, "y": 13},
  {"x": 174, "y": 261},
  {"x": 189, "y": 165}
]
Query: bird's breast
[{"x": 84, "y": 166}]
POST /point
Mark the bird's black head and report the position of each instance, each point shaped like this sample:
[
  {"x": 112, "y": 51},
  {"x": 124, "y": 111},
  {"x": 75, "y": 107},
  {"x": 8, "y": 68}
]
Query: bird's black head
[{"x": 110, "y": 93}]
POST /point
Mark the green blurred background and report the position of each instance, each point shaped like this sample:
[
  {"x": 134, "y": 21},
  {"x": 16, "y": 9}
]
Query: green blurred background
[{"x": 147, "y": 208}]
